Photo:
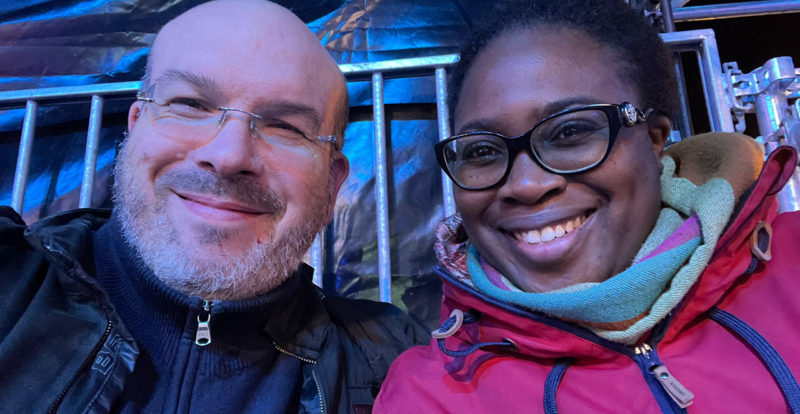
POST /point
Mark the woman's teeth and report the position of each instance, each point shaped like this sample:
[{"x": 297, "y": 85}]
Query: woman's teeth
[{"x": 548, "y": 233}]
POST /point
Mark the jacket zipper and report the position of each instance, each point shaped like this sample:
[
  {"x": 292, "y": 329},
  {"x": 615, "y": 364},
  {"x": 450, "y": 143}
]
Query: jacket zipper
[
  {"x": 643, "y": 355},
  {"x": 86, "y": 362},
  {"x": 203, "y": 336},
  {"x": 313, "y": 374},
  {"x": 652, "y": 366},
  {"x": 319, "y": 392}
]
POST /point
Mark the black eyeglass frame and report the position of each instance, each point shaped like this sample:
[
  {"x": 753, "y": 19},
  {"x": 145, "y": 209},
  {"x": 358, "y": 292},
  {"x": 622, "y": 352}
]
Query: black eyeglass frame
[{"x": 618, "y": 115}]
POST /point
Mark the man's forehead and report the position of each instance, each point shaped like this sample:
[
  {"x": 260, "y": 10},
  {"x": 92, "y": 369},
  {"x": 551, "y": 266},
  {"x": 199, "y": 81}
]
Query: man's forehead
[
  {"x": 247, "y": 51},
  {"x": 252, "y": 25}
]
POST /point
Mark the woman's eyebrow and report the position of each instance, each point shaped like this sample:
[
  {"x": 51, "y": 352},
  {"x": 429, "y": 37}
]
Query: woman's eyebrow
[
  {"x": 549, "y": 109},
  {"x": 480, "y": 125},
  {"x": 562, "y": 104}
]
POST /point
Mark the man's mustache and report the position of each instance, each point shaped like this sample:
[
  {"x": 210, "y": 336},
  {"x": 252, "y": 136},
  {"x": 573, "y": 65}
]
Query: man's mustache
[{"x": 240, "y": 189}]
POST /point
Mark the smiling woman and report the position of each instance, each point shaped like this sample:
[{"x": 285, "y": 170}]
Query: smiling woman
[
  {"x": 522, "y": 74},
  {"x": 585, "y": 256}
]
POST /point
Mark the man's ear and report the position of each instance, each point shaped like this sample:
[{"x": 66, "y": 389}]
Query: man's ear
[
  {"x": 659, "y": 129},
  {"x": 340, "y": 169},
  {"x": 133, "y": 114}
]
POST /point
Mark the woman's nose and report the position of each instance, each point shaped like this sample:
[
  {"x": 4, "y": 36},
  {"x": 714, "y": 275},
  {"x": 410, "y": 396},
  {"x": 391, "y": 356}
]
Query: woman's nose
[{"x": 528, "y": 182}]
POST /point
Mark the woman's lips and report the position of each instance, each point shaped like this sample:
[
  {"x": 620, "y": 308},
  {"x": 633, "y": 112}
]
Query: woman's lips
[
  {"x": 552, "y": 242},
  {"x": 550, "y": 232}
]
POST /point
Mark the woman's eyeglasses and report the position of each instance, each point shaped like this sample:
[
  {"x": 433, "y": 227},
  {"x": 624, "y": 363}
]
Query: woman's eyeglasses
[{"x": 567, "y": 142}]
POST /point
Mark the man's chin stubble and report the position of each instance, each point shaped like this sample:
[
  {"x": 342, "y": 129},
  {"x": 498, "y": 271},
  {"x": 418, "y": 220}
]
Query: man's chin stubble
[{"x": 246, "y": 274}]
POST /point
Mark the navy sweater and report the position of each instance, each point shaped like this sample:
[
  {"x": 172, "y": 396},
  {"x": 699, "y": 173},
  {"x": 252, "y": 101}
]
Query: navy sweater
[{"x": 239, "y": 372}]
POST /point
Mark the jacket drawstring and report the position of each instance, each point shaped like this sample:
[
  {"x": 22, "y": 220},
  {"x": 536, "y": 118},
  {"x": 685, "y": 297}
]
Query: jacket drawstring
[
  {"x": 452, "y": 324},
  {"x": 760, "y": 243},
  {"x": 775, "y": 363},
  {"x": 551, "y": 385}
]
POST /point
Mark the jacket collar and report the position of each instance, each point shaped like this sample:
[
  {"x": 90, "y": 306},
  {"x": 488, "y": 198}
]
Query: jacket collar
[
  {"x": 300, "y": 325},
  {"x": 65, "y": 236},
  {"x": 732, "y": 255},
  {"x": 533, "y": 333}
]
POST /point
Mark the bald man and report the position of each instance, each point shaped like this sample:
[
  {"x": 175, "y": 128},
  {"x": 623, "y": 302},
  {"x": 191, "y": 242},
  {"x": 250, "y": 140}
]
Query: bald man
[{"x": 190, "y": 296}]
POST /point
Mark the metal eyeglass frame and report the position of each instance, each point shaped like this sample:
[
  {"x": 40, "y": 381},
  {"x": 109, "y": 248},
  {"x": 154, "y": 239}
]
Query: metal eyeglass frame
[
  {"x": 618, "y": 115},
  {"x": 223, "y": 116}
]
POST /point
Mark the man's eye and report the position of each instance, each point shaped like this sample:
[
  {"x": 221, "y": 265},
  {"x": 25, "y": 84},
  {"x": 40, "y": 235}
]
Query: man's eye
[
  {"x": 188, "y": 107},
  {"x": 284, "y": 130}
]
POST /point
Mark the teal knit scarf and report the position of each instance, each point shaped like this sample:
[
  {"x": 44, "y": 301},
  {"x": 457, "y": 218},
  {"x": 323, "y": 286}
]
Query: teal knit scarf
[{"x": 627, "y": 305}]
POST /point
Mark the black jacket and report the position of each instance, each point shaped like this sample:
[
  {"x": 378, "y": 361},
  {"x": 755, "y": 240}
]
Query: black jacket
[{"x": 64, "y": 349}]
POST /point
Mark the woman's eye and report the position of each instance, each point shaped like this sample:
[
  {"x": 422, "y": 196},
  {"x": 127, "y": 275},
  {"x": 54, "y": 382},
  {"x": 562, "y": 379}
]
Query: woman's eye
[
  {"x": 481, "y": 152},
  {"x": 571, "y": 133}
]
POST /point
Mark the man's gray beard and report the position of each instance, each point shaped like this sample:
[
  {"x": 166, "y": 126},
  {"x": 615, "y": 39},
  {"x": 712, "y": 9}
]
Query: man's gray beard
[{"x": 257, "y": 270}]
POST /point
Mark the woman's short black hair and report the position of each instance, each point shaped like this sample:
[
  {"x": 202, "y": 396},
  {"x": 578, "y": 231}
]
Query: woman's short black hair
[{"x": 645, "y": 59}]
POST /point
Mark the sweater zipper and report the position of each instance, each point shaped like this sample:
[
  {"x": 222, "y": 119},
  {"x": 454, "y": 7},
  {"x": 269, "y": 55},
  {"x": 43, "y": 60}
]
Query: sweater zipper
[
  {"x": 313, "y": 374},
  {"x": 90, "y": 359},
  {"x": 203, "y": 336},
  {"x": 651, "y": 365}
]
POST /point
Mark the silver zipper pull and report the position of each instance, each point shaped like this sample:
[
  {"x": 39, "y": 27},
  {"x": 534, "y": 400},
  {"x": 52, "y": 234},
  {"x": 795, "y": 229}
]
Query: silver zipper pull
[
  {"x": 203, "y": 336},
  {"x": 682, "y": 396}
]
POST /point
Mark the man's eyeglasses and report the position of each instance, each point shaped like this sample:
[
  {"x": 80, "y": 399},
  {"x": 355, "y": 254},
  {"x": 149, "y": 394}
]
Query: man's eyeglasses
[
  {"x": 567, "y": 142},
  {"x": 189, "y": 119}
]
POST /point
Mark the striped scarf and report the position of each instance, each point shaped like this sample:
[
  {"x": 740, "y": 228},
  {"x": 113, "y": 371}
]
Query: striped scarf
[{"x": 627, "y": 305}]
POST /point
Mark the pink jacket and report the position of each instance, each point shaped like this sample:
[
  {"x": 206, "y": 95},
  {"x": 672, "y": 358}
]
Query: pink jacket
[{"x": 733, "y": 342}]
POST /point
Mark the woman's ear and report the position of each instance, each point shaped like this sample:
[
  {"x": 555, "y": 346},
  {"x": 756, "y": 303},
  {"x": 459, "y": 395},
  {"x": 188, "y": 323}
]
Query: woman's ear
[{"x": 659, "y": 129}]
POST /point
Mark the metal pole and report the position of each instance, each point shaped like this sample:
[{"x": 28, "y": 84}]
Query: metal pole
[
  {"x": 68, "y": 92},
  {"x": 24, "y": 157},
  {"x": 769, "y": 112},
  {"x": 770, "y": 107},
  {"x": 90, "y": 158},
  {"x": 684, "y": 120},
  {"x": 402, "y": 67},
  {"x": 666, "y": 15},
  {"x": 381, "y": 191},
  {"x": 317, "y": 258},
  {"x": 731, "y": 10},
  {"x": 704, "y": 43},
  {"x": 789, "y": 196},
  {"x": 443, "y": 117},
  {"x": 719, "y": 109}
]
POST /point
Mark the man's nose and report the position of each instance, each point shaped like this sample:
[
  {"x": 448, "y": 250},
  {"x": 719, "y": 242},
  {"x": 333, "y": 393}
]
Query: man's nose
[
  {"x": 232, "y": 148},
  {"x": 528, "y": 182}
]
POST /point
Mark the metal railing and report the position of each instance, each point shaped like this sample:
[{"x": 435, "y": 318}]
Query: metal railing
[
  {"x": 31, "y": 98},
  {"x": 702, "y": 42},
  {"x": 376, "y": 72},
  {"x": 731, "y": 10}
]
